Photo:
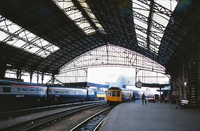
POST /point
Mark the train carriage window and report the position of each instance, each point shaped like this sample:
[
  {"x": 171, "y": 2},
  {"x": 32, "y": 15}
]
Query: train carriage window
[
  {"x": 118, "y": 93},
  {"x": 114, "y": 93},
  {"x": 109, "y": 93},
  {"x": 18, "y": 89},
  {"x": 24, "y": 89},
  {"x": 6, "y": 89},
  {"x": 32, "y": 89}
]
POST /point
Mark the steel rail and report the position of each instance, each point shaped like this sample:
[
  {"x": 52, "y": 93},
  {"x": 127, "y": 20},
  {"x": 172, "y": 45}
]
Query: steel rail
[
  {"x": 50, "y": 117},
  {"x": 89, "y": 119},
  {"x": 38, "y": 109}
]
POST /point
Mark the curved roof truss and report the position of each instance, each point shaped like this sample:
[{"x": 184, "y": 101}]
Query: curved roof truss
[{"x": 44, "y": 35}]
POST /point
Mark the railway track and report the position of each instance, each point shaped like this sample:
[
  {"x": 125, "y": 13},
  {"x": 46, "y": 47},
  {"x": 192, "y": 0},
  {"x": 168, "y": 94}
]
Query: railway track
[
  {"x": 93, "y": 122},
  {"x": 37, "y": 120},
  {"x": 12, "y": 114}
]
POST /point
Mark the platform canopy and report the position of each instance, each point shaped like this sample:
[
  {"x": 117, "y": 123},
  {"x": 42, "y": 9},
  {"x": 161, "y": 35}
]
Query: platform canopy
[{"x": 43, "y": 35}]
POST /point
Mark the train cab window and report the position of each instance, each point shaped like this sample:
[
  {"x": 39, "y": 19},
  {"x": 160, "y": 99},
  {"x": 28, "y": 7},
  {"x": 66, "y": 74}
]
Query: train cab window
[
  {"x": 114, "y": 93},
  {"x": 109, "y": 93},
  {"x": 118, "y": 93},
  {"x": 6, "y": 89}
]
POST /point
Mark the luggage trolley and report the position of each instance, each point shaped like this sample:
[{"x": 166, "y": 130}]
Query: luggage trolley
[{"x": 181, "y": 103}]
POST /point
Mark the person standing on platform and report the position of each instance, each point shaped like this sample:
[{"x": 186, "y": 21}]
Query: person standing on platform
[
  {"x": 144, "y": 99},
  {"x": 133, "y": 97}
]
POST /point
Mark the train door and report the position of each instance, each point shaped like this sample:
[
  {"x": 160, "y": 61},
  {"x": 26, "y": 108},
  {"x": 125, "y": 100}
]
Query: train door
[{"x": 119, "y": 96}]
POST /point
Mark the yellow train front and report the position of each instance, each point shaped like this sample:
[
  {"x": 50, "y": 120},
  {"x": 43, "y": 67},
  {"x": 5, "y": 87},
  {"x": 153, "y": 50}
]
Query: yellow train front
[{"x": 116, "y": 95}]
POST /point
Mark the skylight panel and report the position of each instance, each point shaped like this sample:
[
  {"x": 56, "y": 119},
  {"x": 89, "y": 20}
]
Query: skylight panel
[
  {"x": 16, "y": 36},
  {"x": 92, "y": 16},
  {"x": 155, "y": 41},
  {"x": 143, "y": 7},
  {"x": 16, "y": 43},
  {"x": 75, "y": 15},
  {"x": 31, "y": 49},
  {"x": 27, "y": 35},
  {"x": 144, "y": 10},
  {"x": 169, "y": 4},
  {"x": 138, "y": 22},
  {"x": 141, "y": 37},
  {"x": 3, "y": 35},
  {"x": 153, "y": 49},
  {"x": 140, "y": 8},
  {"x": 160, "y": 18}
]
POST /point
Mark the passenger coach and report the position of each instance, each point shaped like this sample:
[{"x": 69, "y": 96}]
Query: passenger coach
[{"x": 116, "y": 95}]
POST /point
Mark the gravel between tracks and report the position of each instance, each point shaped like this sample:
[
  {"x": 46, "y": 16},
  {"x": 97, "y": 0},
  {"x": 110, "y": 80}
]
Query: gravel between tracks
[{"x": 72, "y": 120}]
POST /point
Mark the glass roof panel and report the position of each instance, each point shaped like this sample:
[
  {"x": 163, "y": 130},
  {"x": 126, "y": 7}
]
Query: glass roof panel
[
  {"x": 138, "y": 22},
  {"x": 92, "y": 16},
  {"x": 75, "y": 15},
  {"x": 16, "y": 43},
  {"x": 169, "y": 4},
  {"x": 139, "y": 38},
  {"x": 143, "y": 7},
  {"x": 140, "y": 8},
  {"x": 144, "y": 10},
  {"x": 3, "y": 35},
  {"x": 153, "y": 49},
  {"x": 155, "y": 41},
  {"x": 14, "y": 35},
  {"x": 31, "y": 49}
]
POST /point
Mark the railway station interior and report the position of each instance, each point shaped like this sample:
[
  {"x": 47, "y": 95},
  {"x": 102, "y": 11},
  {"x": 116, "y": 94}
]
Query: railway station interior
[{"x": 61, "y": 41}]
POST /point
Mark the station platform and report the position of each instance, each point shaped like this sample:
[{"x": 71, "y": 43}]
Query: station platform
[{"x": 132, "y": 116}]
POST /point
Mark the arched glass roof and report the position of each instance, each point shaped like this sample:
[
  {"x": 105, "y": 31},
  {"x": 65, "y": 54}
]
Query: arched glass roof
[{"x": 58, "y": 31}]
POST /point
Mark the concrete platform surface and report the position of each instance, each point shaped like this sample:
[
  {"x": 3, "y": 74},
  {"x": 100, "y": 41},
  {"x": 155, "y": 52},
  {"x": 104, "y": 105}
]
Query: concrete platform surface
[{"x": 132, "y": 116}]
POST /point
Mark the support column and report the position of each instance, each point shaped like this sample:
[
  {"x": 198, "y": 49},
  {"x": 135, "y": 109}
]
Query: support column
[
  {"x": 198, "y": 89},
  {"x": 52, "y": 79},
  {"x": 37, "y": 77},
  {"x": 193, "y": 82},
  {"x": 2, "y": 67},
  {"x": 42, "y": 79},
  {"x": 19, "y": 74},
  {"x": 31, "y": 76}
]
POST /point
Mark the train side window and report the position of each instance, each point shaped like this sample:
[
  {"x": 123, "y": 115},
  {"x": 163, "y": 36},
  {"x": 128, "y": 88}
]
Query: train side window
[
  {"x": 118, "y": 93},
  {"x": 18, "y": 89},
  {"x": 32, "y": 89},
  {"x": 114, "y": 93},
  {"x": 24, "y": 89},
  {"x": 6, "y": 89},
  {"x": 109, "y": 93}
]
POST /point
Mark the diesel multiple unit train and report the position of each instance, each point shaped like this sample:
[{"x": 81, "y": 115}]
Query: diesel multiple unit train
[
  {"x": 116, "y": 95},
  {"x": 12, "y": 92}
]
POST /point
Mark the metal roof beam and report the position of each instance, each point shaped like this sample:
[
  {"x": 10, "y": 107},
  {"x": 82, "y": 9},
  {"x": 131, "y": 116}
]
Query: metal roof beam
[
  {"x": 149, "y": 23},
  {"x": 84, "y": 13}
]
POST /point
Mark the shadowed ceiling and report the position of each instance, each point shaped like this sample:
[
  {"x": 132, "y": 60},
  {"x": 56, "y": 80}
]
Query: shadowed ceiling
[{"x": 54, "y": 32}]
